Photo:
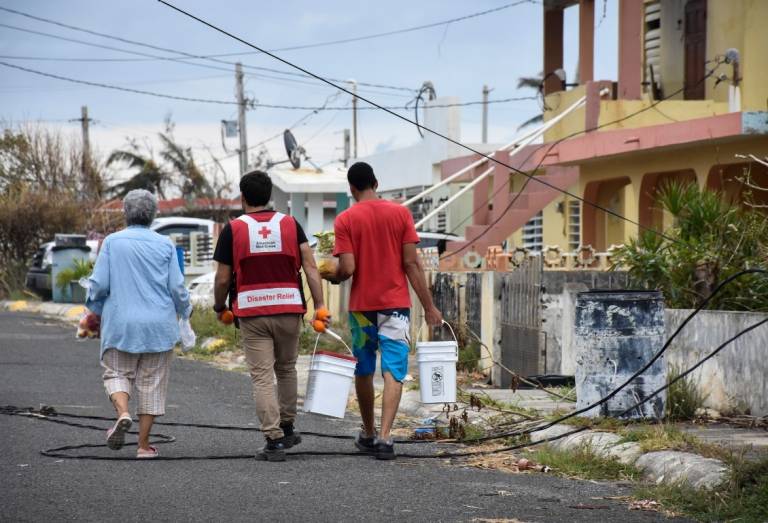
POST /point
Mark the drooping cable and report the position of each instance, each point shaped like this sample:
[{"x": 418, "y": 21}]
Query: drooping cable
[
  {"x": 408, "y": 120},
  {"x": 550, "y": 147}
]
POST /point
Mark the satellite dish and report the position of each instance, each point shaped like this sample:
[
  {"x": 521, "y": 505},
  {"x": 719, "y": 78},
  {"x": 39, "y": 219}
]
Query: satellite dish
[{"x": 292, "y": 149}]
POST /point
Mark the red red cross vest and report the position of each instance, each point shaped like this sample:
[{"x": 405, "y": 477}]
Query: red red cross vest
[{"x": 266, "y": 261}]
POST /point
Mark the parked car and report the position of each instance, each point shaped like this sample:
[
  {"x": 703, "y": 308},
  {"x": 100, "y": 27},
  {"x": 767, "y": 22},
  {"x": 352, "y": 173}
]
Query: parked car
[
  {"x": 38, "y": 278},
  {"x": 201, "y": 290},
  {"x": 39, "y": 274},
  {"x": 168, "y": 225},
  {"x": 437, "y": 239}
]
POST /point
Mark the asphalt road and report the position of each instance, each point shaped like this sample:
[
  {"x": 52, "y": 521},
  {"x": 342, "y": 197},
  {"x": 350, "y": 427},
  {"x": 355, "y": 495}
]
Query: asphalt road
[{"x": 42, "y": 363}]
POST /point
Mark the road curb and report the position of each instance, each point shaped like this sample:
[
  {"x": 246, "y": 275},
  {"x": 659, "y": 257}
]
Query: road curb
[
  {"x": 666, "y": 466},
  {"x": 69, "y": 312}
]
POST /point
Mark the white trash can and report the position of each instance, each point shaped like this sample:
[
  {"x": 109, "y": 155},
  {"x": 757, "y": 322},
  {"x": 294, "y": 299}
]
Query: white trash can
[
  {"x": 437, "y": 370},
  {"x": 330, "y": 378}
]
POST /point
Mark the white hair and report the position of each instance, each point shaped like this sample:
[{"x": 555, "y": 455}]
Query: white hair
[{"x": 140, "y": 207}]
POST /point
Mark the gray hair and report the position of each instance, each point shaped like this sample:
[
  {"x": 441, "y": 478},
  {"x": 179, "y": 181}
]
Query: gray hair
[{"x": 140, "y": 207}]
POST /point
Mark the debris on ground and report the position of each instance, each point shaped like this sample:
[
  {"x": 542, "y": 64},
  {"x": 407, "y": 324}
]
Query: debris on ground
[{"x": 645, "y": 504}]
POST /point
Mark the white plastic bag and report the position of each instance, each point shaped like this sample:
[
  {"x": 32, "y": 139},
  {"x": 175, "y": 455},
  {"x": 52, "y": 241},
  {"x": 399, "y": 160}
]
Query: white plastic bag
[{"x": 188, "y": 336}]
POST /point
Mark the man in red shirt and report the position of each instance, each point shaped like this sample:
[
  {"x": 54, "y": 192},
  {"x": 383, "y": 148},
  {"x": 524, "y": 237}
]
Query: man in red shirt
[{"x": 376, "y": 243}]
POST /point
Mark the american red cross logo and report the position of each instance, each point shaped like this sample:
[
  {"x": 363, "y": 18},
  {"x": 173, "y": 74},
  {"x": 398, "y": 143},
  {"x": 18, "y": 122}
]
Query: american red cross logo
[{"x": 265, "y": 232}]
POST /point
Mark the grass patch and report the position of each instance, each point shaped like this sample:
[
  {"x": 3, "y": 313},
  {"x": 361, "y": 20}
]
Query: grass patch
[
  {"x": 684, "y": 398},
  {"x": 486, "y": 401},
  {"x": 469, "y": 357},
  {"x": 582, "y": 463},
  {"x": 657, "y": 437},
  {"x": 206, "y": 325},
  {"x": 569, "y": 393},
  {"x": 309, "y": 336},
  {"x": 23, "y": 294},
  {"x": 743, "y": 498},
  {"x": 604, "y": 424},
  {"x": 664, "y": 436}
]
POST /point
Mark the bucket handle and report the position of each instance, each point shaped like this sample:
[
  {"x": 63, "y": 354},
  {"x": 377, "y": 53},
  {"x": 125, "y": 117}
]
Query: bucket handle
[
  {"x": 446, "y": 324},
  {"x": 317, "y": 341}
]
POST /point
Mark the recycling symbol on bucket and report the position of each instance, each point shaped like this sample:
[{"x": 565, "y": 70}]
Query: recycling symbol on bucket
[{"x": 437, "y": 376}]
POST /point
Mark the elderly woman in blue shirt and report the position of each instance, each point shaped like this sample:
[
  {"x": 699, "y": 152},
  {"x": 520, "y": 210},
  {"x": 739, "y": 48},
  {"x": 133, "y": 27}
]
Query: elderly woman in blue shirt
[{"x": 138, "y": 290}]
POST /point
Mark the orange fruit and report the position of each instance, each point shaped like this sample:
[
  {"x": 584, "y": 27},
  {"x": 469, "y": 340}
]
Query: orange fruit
[
  {"x": 318, "y": 325},
  {"x": 322, "y": 314},
  {"x": 226, "y": 317}
]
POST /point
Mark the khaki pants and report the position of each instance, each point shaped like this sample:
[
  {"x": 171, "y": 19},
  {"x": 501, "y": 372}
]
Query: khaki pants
[{"x": 271, "y": 345}]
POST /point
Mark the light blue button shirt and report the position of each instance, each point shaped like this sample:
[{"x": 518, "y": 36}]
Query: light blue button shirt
[{"x": 138, "y": 289}]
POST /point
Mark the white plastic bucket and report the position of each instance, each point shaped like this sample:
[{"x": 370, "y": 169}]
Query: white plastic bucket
[
  {"x": 330, "y": 378},
  {"x": 437, "y": 370}
]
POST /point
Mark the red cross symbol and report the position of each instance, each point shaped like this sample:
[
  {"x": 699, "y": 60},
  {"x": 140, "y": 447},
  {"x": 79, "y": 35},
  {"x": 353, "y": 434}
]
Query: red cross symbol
[{"x": 265, "y": 231}]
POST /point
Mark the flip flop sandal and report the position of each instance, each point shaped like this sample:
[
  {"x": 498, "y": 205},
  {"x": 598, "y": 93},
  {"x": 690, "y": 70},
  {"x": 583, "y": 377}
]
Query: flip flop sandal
[
  {"x": 147, "y": 453},
  {"x": 116, "y": 435}
]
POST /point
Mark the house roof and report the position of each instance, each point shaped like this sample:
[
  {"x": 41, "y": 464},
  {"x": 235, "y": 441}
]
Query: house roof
[{"x": 307, "y": 180}]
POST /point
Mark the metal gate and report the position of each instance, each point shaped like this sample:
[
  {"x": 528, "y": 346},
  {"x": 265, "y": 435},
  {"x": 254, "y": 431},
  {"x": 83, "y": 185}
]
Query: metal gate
[
  {"x": 446, "y": 295},
  {"x": 473, "y": 290},
  {"x": 519, "y": 297}
]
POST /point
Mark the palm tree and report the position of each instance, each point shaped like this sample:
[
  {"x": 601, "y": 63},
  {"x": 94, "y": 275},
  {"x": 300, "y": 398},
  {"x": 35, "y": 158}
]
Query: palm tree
[
  {"x": 192, "y": 182},
  {"x": 177, "y": 167},
  {"x": 531, "y": 82},
  {"x": 150, "y": 175}
]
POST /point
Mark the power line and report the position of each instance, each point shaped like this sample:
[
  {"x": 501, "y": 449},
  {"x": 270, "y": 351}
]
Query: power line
[
  {"x": 118, "y": 88},
  {"x": 261, "y": 76},
  {"x": 295, "y": 47},
  {"x": 373, "y": 106},
  {"x": 147, "y": 57},
  {"x": 408, "y": 120},
  {"x": 402, "y": 31},
  {"x": 297, "y": 123},
  {"x": 546, "y": 154}
]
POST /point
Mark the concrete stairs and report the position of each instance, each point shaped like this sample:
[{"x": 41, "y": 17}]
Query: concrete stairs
[{"x": 533, "y": 199}]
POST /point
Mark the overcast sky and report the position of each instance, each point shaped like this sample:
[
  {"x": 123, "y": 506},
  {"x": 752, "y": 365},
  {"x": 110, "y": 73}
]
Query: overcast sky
[{"x": 493, "y": 49}]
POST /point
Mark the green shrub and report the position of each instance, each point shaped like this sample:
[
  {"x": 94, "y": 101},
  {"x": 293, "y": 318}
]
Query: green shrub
[
  {"x": 684, "y": 397},
  {"x": 710, "y": 240},
  {"x": 80, "y": 268}
]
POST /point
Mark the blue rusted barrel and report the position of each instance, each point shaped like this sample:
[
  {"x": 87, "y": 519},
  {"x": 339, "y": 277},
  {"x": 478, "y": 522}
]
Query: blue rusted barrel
[{"x": 617, "y": 333}]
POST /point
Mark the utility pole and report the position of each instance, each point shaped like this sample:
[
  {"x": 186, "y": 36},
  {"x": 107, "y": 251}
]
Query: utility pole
[
  {"x": 84, "y": 121},
  {"x": 241, "y": 101},
  {"x": 346, "y": 147},
  {"x": 354, "y": 117},
  {"x": 486, "y": 91}
]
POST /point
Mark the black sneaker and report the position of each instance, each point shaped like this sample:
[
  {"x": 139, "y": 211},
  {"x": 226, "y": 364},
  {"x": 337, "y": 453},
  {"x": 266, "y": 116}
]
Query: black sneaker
[
  {"x": 290, "y": 437},
  {"x": 365, "y": 445},
  {"x": 384, "y": 449},
  {"x": 274, "y": 450}
]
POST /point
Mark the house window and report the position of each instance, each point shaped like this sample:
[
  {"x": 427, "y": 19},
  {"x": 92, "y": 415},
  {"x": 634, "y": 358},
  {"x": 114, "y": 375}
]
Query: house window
[
  {"x": 574, "y": 225},
  {"x": 533, "y": 233},
  {"x": 653, "y": 47}
]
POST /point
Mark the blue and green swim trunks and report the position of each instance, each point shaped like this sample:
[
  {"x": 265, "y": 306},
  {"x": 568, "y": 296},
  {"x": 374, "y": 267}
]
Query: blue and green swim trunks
[{"x": 387, "y": 331}]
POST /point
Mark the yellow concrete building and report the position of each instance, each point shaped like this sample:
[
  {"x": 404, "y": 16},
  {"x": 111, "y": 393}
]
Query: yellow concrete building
[{"x": 690, "y": 103}]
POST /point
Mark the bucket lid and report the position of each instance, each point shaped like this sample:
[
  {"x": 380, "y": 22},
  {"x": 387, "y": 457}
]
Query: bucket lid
[{"x": 336, "y": 355}]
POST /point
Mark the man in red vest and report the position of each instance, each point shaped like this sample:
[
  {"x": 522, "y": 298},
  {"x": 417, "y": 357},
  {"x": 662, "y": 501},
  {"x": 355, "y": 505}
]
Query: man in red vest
[
  {"x": 376, "y": 245},
  {"x": 264, "y": 251}
]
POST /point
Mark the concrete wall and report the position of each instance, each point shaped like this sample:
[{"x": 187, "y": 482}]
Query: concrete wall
[
  {"x": 740, "y": 24},
  {"x": 735, "y": 379}
]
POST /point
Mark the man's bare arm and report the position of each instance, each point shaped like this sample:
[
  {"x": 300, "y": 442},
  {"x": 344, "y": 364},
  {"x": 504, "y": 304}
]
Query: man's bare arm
[
  {"x": 221, "y": 284},
  {"x": 313, "y": 277},
  {"x": 418, "y": 280},
  {"x": 346, "y": 267}
]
